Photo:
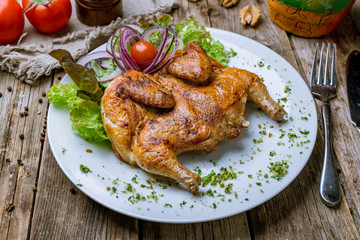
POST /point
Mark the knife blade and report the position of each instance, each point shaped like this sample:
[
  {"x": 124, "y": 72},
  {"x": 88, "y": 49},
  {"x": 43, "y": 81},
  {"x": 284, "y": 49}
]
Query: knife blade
[{"x": 353, "y": 86}]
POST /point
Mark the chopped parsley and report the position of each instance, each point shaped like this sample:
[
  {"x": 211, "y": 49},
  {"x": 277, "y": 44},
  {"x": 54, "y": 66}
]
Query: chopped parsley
[
  {"x": 197, "y": 170},
  {"x": 260, "y": 140},
  {"x": 279, "y": 169},
  {"x": 305, "y": 132},
  {"x": 218, "y": 178},
  {"x": 182, "y": 203},
  {"x": 287, "y": 89},
  {"x": 261, "y": 64},
  {"x": 84, "y": 169}
]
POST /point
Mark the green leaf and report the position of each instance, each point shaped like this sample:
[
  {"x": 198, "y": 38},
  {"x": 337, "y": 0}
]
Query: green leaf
[
  {"x": 101, "y": 72},
  {"x": 162, "y": 20},
  {"x": 86, "y": 120},
  {"x": 83, "y": 77},
  {"x": 64, "y": 94}
]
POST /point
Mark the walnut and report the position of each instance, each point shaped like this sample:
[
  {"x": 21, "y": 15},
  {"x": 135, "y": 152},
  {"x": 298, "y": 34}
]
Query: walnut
[
  {"x": 250, "y": 15},
  {"x": 228, "y": 3}
]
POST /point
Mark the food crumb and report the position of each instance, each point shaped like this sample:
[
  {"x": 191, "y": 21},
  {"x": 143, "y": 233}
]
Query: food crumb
[
  {"x": 73, "y": 191},
  {"x": 20, "y": 162},
  {"x": 89, "y": 150}
]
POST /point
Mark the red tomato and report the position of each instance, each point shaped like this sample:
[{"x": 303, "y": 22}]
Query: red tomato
[
  {"x": 48, "y": 18},
  {"x": 143, "y": 51},
  {"x": 11, "y": 21}
]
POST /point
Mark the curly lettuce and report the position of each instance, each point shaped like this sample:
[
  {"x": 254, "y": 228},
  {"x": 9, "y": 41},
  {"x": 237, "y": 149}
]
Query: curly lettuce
[{"x": 84, "y": 114}]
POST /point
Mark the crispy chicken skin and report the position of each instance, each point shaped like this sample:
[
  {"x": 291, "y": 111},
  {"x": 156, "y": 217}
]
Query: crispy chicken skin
[
  {"x": 150, "y": 119},
  {"x": 193, "y": 65}
]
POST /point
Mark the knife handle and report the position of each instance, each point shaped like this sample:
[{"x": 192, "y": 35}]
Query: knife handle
[{"x": 330, "y": 191}]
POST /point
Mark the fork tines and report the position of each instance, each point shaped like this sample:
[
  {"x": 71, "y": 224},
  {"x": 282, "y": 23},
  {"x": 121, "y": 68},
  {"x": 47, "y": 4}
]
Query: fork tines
[{"x": 321, "y": 79}]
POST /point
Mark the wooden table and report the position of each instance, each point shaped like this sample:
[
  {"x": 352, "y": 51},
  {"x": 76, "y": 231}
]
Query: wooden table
[{"x": 37, "y": 201}]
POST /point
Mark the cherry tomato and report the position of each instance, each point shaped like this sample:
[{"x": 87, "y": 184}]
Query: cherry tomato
[
  {"x": 143, "y": 51},
  {"x": 50, "y": 17},
  {"x": 11, "y": 21}
]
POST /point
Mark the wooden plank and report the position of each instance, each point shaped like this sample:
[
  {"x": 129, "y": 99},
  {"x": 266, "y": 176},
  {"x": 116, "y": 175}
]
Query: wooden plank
[
  {"x": 345, "y": 137},
  {"x": 355, "y": 13},
  {"x": 235, "y": 227},
  {"x": 63, "y": 212},
  {"x": 21, "y": 149},
  {"x": 197, "y": 9}
]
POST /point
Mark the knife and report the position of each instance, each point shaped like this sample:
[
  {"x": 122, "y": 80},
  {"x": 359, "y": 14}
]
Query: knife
[{"x": 353, "y": 86}]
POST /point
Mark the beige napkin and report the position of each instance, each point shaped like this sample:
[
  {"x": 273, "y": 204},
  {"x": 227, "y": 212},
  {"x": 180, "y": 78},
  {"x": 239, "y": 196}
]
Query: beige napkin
[{"x": 29, "y": 59}]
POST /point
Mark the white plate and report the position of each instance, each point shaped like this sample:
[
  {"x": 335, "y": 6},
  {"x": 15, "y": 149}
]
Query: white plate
[{"x": 249, "y": 158}]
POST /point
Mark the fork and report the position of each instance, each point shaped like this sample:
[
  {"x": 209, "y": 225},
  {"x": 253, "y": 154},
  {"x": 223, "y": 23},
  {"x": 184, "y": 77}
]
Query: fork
[{"x": 325, "y": 90}]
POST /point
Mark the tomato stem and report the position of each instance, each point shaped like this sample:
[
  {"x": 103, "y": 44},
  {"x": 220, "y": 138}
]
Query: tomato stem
[{"x": 35, "y": 3}]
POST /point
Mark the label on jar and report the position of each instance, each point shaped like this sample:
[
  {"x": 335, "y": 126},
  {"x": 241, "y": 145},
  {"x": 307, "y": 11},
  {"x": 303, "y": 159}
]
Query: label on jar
[{"x": 308, "y": 18}]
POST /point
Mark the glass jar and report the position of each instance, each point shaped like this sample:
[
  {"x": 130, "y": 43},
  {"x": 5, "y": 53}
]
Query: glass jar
[
  {"x": 309, "y": 18},
  {"x": 98, "y": 12}
]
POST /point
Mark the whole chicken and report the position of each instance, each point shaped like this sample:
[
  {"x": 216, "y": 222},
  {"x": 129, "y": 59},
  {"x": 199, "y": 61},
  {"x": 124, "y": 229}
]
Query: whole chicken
[{"x": 190, "y": 106}]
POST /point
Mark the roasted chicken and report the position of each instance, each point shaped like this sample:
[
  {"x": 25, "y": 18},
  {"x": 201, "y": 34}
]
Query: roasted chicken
[{"x": 190, "y": 106}]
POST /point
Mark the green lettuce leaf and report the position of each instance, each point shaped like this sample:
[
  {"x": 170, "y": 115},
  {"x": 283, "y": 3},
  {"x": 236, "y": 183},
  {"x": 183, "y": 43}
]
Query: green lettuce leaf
[
  {"x": 162, "y": 20},
  {"x": 64, "y": 94},
  {"x": 101, "y": 72},
  {"x": 85, "y": 114},
  {"x": 86, "y": 120}
]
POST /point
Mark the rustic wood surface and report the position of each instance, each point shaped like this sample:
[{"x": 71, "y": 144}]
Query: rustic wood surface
[{"x": 37, "y": 201}]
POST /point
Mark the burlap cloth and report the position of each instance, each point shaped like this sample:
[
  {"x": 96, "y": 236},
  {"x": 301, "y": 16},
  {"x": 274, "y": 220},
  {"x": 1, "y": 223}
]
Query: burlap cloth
[{"x": 29, "y": 59}]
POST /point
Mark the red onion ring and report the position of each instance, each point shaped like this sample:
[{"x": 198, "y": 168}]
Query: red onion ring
[
  {"x": 94, "y": 55},
  {"x": 126, "y": 36}
]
